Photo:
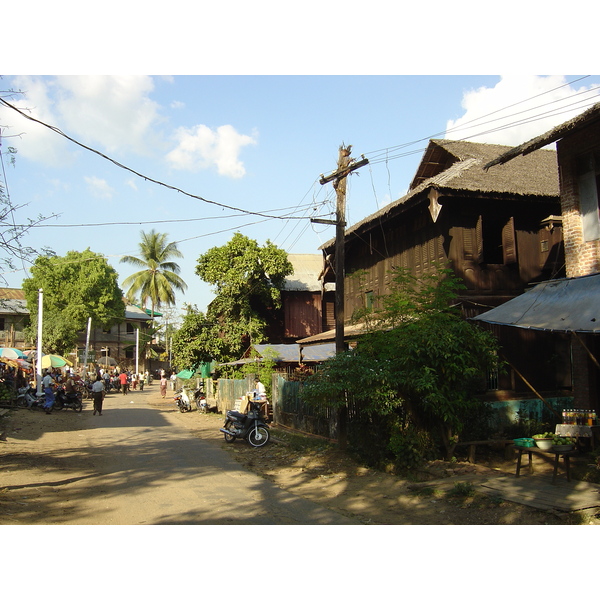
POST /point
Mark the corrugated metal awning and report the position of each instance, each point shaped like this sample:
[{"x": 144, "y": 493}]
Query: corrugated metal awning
[{"x": 561, "y": 305}]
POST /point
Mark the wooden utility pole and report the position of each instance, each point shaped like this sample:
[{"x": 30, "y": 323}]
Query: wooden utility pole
[{"x": 345, "y": 166}]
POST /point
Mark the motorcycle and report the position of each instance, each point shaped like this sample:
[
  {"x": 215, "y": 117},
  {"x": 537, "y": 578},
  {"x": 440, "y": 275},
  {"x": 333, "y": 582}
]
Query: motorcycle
[
  {"x": 183, "y": 400},
  {"x": 251, "y": 426},
  {"x": 64, "y": 400},
  {"x": 201, "y": 402},
  {"x": 26, "y": 396}
]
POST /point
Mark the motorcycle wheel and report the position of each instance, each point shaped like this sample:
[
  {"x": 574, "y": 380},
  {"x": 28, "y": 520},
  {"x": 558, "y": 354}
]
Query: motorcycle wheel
[
  {"x": 201, "y": 407},
  {"x": 78, "y": 406},
  {"x": 182, "y": 408},
  {"x": 22, "y": 402},
  {"x": 229, "y": 437},
  {"x": 258, "y": 436},
  {"x": 58, "y": 405}
]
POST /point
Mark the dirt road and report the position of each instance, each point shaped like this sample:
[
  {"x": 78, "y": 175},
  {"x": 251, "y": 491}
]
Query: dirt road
[
  {"x": 143, "y": 462},
  {"x": 134, "y": 464}
]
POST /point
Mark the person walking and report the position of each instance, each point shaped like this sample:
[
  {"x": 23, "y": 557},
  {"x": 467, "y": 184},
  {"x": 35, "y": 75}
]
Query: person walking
[
  {"x": 163, "y": 384},
  {"x": 124, "y": 382},
  {"x": 98, "y": 395}
]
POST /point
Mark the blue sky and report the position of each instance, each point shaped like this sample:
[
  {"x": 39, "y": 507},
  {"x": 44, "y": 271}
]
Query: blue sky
[{"x": 258, "y": 143}]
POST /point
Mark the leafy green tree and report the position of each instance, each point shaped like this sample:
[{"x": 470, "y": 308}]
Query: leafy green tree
[
  {"x": 75, "y": 287},
  {"x": 159, "y": 276},
  {"x": 197, "y": 340},
  {"x": 247, "y": 280},
  {"x": 420, "y": 363}
]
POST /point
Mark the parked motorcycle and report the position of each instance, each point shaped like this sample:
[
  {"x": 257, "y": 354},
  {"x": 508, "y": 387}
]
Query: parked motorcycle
[
  {"x": 251, "y": 427},
  {"x": 26, "y": 396},
  {"x": 201, "y": 402},
  {"x": 183, "y": 400},
  {"x": 64, "y": 400}
]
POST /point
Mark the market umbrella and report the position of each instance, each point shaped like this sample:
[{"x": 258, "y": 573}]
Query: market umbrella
[
  {"x": 10, "y": 362},
  {"x": 54, "y": 360},
  {"x": 11, "y": 353},
  {"x": 106, "y": 361}
]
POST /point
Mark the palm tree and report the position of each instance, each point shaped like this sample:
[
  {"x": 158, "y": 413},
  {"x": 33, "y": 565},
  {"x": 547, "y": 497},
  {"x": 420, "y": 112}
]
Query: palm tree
[{"x": 158, "y": 279}]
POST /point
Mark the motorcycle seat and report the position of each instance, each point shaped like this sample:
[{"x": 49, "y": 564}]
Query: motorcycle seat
[{"x": 236, "y": 414}]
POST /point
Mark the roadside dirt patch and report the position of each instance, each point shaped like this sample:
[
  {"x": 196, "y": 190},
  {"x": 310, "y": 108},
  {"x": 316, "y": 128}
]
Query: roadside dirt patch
[{"x": 309, "y": 468}]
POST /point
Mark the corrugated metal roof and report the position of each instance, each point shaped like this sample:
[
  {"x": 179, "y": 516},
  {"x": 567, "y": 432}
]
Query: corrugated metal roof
[
  {"x": 13, "y": 306},
  {"x": 305, "y": 277},
  {"x": 135, "y": 312},
  {"x": 318, "y": 352},
  {"x": 278, "y": 352},
  {"x": 14, "y": 293},
  {"x": 293, "y": 353},
  {"x": 561, "y": 305}
]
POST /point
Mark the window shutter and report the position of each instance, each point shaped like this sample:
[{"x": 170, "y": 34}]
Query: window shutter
[
  {"x": 509, "y": 242},
  {"x": 473, "y": 242},
  {"x": 479, "y": 240}
]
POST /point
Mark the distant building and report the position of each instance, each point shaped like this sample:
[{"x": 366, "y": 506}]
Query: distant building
[
  {"x": 118, "y": 343},
  {"x": 14, "y": 316}
]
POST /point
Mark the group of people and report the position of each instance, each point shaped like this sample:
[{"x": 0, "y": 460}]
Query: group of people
[
  {"x": 52, "y": 378},
  {"x": 123, "y": 381}
]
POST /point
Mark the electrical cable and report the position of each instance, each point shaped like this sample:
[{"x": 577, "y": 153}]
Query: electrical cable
[{"x": 145, "y": 177}]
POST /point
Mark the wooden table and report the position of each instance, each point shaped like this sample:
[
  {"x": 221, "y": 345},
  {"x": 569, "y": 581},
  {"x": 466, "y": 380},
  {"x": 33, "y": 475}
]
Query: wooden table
[{"x": 557, "y": 455}]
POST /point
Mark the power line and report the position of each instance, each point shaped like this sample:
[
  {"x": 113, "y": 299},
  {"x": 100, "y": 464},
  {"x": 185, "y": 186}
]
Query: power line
[
  {"x": 145, "y": 177},
  {"x": 463, "y": 126}
]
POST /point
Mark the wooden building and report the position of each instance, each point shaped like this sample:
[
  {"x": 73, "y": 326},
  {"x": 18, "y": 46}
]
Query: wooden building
[
  {"x": 497, "y": 230},
  {"x": 307, "y": 305},
  {"x": 578, "y": 154}
]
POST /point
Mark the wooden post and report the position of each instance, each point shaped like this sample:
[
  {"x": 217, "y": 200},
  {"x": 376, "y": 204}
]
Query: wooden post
[{"x": 345, "y": 166}]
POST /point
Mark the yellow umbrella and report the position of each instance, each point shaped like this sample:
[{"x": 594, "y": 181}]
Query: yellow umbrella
[{"x": 54, "y": 360}]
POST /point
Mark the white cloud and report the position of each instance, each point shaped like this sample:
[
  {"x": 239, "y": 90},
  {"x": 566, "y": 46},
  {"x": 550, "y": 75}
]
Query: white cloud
[
  {"x": 114, "y": 111},
  {"x": 200, "y": 147},
  {"x": 498, "y": 115},
  {"x": 108, "y": 113},
  {"x": 99, "y": 187},
  {"x": 37, "y": 142},
  {"x": 177, "y": 104}
]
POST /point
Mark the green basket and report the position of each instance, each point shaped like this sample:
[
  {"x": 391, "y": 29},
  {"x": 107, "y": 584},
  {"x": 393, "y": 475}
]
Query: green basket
[{"x": 524, "y": 442}]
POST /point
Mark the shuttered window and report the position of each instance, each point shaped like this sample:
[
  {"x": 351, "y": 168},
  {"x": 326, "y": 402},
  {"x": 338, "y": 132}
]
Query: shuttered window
[
  {"x": 509, "y": 242},
  {"x": 588, "y": 171},
  {"x": 492, "y": 241}
]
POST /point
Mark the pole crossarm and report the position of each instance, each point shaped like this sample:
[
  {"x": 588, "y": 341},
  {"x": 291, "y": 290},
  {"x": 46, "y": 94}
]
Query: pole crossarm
[
  {"x": 326, "y": 222},
  {"x": 343, "y": 172}
]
